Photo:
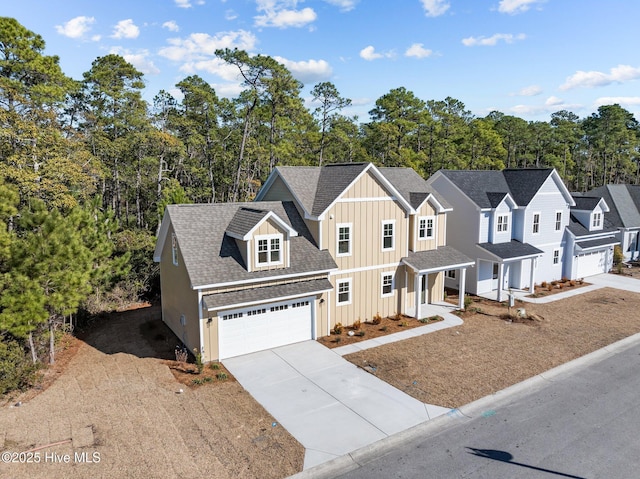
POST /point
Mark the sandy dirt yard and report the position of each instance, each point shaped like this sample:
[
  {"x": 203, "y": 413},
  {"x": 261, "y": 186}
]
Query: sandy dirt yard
[
  {"x": 487, "y": 353},
  {"x": 117, "y": 404}
]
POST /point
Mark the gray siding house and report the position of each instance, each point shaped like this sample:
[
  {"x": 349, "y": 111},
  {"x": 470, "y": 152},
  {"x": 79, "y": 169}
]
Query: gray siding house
[{"x": 518, "y": 225}]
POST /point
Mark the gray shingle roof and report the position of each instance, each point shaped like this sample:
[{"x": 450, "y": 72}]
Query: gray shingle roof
[
  {"x": 579, "y": 230},
  {"x": 624, "y": 203},
  {"x": 587, "y": 203},
  {"x": 594, "y": 243},
  {"x": 266, "y": 293},
  {"x": 303, "y": 180},
  {"x": 487, "y": 188},
  {"x": 511, "y": 249},
  {"x": 442, "y": 258},
  {"x": 212, "y": 257},
  {"x": 411, "y": 186},
  {"x": 332, "y": 182},
  {"x": 245, "y": 220}
]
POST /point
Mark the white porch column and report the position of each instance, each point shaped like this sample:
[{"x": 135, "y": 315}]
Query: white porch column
[
  {"x": 500, "y": 280},
  {"x": 417, "y": 294},
  {"x": 462, "y": 272},
  {"x": 532, "y": 276}
]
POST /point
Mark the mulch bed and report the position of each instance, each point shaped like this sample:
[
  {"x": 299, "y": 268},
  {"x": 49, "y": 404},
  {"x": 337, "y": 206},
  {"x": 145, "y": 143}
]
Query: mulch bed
[{"x": 368, "y": 330}]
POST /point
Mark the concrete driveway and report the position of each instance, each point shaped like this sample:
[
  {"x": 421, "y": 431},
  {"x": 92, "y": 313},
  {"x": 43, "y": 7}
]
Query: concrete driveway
[
  {"x": 331, "y": 406},
  {"x": 615, "y": 281}
]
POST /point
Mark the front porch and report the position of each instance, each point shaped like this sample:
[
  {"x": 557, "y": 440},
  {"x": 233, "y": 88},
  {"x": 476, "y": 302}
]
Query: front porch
[{"x": 425, "y": 278}]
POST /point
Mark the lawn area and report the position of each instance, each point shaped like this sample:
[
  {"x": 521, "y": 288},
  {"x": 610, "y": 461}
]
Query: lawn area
[{"x": 487, "y": 353}]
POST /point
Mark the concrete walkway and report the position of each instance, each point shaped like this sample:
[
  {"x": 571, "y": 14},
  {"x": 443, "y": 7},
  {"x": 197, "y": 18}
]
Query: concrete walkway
[
  {"x": 328, "y": 404},
  {"x": 604, "y": 280}
]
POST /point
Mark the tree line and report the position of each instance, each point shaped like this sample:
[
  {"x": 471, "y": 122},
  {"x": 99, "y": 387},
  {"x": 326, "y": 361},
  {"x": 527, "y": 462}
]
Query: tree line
[{"x": 87, "y": 167}]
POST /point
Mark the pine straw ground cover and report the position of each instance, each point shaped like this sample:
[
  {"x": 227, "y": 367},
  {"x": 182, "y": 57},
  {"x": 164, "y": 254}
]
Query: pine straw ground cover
[
  {"x": 119, "y": 396},
  {"x": 455, "y": 366}
]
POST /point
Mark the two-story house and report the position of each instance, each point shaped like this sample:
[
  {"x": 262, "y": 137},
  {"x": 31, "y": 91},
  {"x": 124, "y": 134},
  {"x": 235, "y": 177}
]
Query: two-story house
[
  {"x": 624, "y": 202},
  {"x": 514, "y": 224},
  {"x": 319, "y": 246}
]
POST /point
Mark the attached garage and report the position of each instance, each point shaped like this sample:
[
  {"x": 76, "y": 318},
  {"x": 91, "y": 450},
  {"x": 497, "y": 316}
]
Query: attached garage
[
  {"x": 265, "y": 326},
  {"x": 592, "y": 263}
]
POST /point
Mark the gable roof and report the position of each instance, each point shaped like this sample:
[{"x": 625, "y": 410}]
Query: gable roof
[
  {"x": 624, "y": 204},
  {"x": 579, "y": 230},
  {"x": 487, "y": 188},
  {"x": 210, "y": 254},
  {"x": 412, "y": 186},
  {"x": 246, "y": 220},
  {"x": 317, "y": 188}
]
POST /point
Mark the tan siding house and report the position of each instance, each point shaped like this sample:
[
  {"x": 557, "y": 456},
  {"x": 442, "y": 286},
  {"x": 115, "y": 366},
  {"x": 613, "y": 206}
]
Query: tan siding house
[{"x": 319, "y": 246}]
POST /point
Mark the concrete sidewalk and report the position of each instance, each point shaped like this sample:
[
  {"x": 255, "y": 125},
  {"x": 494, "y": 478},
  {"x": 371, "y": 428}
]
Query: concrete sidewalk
[{"x": 328, "y": 404}]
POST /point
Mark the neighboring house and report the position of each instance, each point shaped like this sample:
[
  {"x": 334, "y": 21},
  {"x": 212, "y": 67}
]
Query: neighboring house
[
  {"x": 515, "y": 223},
  {"x": 319, "y": 246},
  {"x": 624, "y": 202}
]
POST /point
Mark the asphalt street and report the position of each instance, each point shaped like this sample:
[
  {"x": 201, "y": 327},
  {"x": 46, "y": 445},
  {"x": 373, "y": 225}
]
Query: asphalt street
[{"x": 583, "y": 423}]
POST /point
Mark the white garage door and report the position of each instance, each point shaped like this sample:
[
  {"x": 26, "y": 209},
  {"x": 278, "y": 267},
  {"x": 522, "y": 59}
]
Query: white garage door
[
  {"x": 591, "y": 263},
  {"x": 246, "y": 330}
]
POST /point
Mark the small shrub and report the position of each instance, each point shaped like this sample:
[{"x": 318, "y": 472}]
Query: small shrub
[
  {"x": 197, "y": 381},
  {"x": 549, "y": 287},
  {"x": 618, "y": 255},
  {"x": 543, "y": 284},
  {"x": 560, "y": 285},
  {"x": 357, "y": 324},
  {"x": 377, "y": 319},
  {"x": 554, "y": 283},
  {"x": 404, "y": 323},
  {"x": 337, "y": 340},
  {"x": 214, "y": 366},
  {"x": 383, "y": 328},
  {"x": 221, "y": 376},
  {"x": 467, "y": 301},
  {"x": 397, "y": 316},
  {"x": 199, "y": 363},
  {"x": 572, "y": 283},
  {"x": 337, "y": 329},
  {"x": 360, "y": 333},
  {"x": 564, "y": 279}
]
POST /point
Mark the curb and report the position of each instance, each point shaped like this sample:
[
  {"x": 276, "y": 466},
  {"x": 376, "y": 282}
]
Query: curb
[{"x": 364, "y": 455}]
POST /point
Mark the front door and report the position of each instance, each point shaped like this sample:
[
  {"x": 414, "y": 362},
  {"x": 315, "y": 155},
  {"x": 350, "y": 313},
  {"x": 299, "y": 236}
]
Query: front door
[
  {"x": 423, "y": 289},
  {"x": 494, "y": 280}
]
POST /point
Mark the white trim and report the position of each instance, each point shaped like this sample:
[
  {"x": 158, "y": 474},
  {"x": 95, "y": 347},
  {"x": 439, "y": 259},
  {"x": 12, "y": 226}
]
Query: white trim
[
  {"x": 438, "y": 206},
  {"x": 270, "y": 215},
  {"x": 364, "y": 268},
  {"x": 504, "y": 226},
  {"x": 350, "y": 240},
  {"x": 320, "y": 226},
  {"x": 443, "y": 268},
  {"x": 533, "y": 222},
  {"x": 350, "y": 291},
  {"x": 249, "y": 258},
  {"x": 434, "y": 233},
  {"x": 174, "y": 249},
  {"x": 366, "y": 199},
  {"x": 264, "y": 279},
  {"x": 555, "y": 218},
  {"x": 393, "y": 235},
  {"x": 201, "y": 324},
  {"x": 393, "y": 284},
  {"x": 267, "y": 301},
  {"x": 269, "y": 238},
  {"x": 162, "y": 236},
  {"x": 592, "y": 218}
]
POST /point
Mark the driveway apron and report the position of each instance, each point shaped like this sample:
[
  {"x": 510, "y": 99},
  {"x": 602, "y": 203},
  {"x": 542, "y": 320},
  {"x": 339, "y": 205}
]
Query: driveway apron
[{"x": 329, "y": 405}]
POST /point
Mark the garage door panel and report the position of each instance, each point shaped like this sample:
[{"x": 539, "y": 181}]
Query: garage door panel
[
  {"x": 591, "y": 263},
  {"x": 263, "y": 327}
]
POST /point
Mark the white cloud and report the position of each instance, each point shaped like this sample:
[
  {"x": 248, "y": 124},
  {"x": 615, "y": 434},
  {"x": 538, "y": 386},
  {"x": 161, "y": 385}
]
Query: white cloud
[
  {"x": 125, "y": 29},
  {"x": 513, "y": 7},
  {"x": 369, "y": 53},
  {"x": 171, "y": 26},
  {"x": 76, "y": 27},
  {"x": 201, "y": 46},
  {"x": 619, "y": 74},
  {"x": 417, "y": 50},
  {"x": 140, "y": 60},
  {"x": 531, "y": 90},
  {"x": 550, "y": 105},
  {"x": 435, "y": 8},
  {"x": 345, "y": 5},
  {"x": 283, "y": 14},
  {"x": 187, "y": 3},
  {"x": 230, "y": 15},
  {"x": 624, "y": 101},
  {"x": 492, "y": 40},
  {"x": 307, "y": 71}
]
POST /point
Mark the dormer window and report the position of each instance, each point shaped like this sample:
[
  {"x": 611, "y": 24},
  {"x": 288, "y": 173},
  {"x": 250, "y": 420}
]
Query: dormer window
[
  {"x": 502, "y": 224},
  {"x": 269, "y": 250},
  {"x": 426, "y": 227},
  {"x": 597, "y": 220}
]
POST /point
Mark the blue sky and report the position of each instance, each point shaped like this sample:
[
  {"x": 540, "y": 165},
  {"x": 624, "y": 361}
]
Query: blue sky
[{"x": 527, "y": 58}]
